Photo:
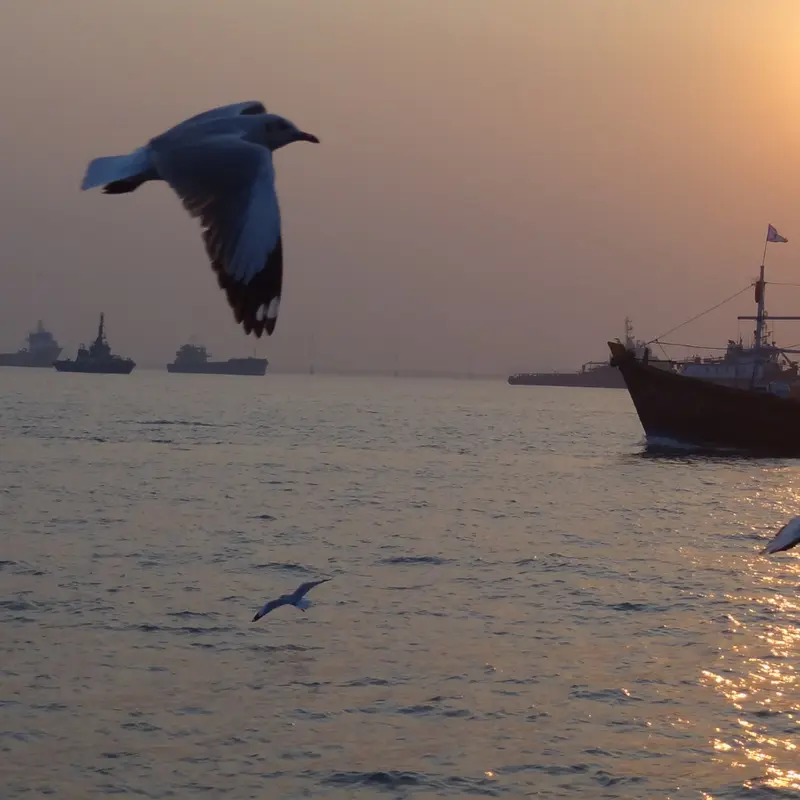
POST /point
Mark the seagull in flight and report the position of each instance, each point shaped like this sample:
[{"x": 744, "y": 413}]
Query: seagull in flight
[
  {"x": 219, "y": 163},
  {"x": 785, "y": 539},
  {"x": 297, "y": 599}
]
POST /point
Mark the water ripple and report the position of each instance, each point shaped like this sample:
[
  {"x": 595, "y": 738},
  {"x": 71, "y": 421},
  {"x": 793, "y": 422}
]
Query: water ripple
[{"x": 522, "y": 604}]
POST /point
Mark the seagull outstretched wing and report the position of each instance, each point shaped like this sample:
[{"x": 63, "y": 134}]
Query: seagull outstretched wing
[
  {"x": 294, "y": 599},
  {"x": 304, "y": 588},
  {"x": 786, "y": 538},
  {"x": 230, "y": 185},
  {"x": 270, "y": 606}
]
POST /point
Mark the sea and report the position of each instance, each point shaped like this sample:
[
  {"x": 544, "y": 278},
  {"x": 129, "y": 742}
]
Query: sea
[{"x": 523, "y": 601}]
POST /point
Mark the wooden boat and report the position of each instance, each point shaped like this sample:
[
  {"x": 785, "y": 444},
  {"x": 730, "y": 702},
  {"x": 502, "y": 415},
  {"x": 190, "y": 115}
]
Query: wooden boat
[
  {"x": 747, "y": 401},
  {"x": 678, "y": 410}
]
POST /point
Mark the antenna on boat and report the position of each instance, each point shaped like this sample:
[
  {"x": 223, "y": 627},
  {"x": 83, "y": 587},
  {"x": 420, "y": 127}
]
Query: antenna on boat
[
  {"x": 772, "y": 236},
  {"x": 629, "y": 341},
  {"x": 101, "y": 329}
]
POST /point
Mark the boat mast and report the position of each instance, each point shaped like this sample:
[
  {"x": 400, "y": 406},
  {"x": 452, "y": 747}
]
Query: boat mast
[
  {"x": 760, "y": 292},
  {"x": 629, "y": 333},
  {"x": 759, "y": 331},
  {"x": 761, "y": 314},
  {"x": 100, "y": 328}
]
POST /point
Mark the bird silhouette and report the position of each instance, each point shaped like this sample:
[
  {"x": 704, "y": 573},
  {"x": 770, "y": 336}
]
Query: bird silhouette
[{"x": 297, "y": 599}]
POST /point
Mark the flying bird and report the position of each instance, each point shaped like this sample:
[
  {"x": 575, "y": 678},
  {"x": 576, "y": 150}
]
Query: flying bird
[
  {"x": 785, "y": 539},
  {"x": 297, "y": 599},
  {"x": 219, "y": 163}
]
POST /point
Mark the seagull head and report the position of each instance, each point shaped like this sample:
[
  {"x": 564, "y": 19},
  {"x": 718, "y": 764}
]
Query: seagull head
[{"x": 279, "y": 132}]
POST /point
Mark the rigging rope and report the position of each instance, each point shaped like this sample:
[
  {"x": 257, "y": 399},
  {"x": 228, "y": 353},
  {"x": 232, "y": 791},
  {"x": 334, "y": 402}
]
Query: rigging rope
[
  {"x": 695, "y": 346},
  {"x": 701, "y": 314}
]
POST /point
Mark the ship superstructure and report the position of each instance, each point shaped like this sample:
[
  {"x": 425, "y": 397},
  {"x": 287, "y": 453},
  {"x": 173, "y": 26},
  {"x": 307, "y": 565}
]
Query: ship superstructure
[
  {"x": 42, "y": 350},
  {"x": 98, "y": 358}
]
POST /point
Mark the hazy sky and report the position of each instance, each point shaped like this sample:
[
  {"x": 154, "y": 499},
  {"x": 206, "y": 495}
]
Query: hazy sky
[{"x": 499, "y": 182}]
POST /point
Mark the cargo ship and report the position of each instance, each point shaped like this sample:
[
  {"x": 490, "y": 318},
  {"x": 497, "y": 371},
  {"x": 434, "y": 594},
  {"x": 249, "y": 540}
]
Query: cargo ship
[
  {"x": 42, "y": 351},
  {"x": 98, "y": 358},
  {"x": 595, "y": 374},
  {"x": 195, "y": 359}
]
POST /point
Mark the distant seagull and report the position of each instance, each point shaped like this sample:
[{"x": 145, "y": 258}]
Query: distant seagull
[
  {"x": 220, "y": 165},
  {"x": 786, "y": 538},
  {"x": 296, "y": 599}
]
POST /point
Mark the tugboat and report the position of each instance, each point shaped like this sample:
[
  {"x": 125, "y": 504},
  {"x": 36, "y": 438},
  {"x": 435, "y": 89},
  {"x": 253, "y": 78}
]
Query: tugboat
[
  {"x": 98, "y": 358},
  {"x": 195, "y": 359},
  {"x": 42, "y": 351}
]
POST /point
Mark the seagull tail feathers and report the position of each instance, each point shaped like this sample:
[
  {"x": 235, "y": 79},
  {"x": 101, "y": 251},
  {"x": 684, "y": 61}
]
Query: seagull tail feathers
[{"x": 119, "y": 174}]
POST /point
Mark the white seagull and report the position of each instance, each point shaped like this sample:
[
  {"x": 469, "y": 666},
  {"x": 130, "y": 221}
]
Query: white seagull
[
  {"x": 219, "y": 163},
  {"x": 786, "y": 538},
  {"x": 297, "y": 599}
]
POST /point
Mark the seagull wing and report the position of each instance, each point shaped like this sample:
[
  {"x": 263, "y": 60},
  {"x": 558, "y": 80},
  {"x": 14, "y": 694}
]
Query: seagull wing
[
  {"x": 270, "y": 606},
  {"x": 305, "y": 588},
  {"x": 230, "y": 185},
  {"x": 786, "y": 538},
  {"x": 232, "y": 110}
]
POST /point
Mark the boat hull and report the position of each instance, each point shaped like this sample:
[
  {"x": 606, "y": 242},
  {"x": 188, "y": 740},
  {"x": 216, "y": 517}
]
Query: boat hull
[
  {"x": 603, "y": 378},
  {"x": 234, "y": 366},
  {"x": 692, "y": 411},
  {"x": 120, "y": 367},
  {"x": 27, "y": 360}
]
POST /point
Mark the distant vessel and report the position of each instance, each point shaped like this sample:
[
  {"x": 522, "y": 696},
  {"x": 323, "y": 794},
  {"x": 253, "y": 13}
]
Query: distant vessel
[
  {"x": 98, "y": 358},
  {"x": 42, "y": 351},
  {"x": 195, "y": 359},
  {"x": 594, "y": 374}
]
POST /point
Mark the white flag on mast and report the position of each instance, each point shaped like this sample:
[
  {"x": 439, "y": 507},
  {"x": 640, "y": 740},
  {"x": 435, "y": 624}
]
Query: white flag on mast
[{"x": 774, "y": 236}]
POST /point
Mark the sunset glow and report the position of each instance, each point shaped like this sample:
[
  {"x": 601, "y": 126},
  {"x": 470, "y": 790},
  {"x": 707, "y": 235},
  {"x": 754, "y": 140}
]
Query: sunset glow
[{"x": 487, "y": 172}]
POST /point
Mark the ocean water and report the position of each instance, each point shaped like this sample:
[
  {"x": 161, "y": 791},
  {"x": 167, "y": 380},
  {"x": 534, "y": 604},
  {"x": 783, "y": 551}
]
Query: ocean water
[{"x": 523, "y": 603}]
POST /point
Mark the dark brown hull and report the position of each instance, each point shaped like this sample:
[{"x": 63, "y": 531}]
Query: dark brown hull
[
  {"x": 677, "y": 409},
  {"x": 233, "y": 366},
  {"x": 26, "y": 360},
  {"x": 111, "y": 366}
]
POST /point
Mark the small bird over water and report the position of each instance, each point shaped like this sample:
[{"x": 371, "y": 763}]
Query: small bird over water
[
  {"x": 297, "y": 599},
  {"x": 786, "y": 538},
  {"x": 220, "y": 165}
]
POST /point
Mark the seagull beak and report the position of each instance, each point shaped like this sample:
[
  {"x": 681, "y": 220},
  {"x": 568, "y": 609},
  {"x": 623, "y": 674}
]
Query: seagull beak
[{"x": 308, "y": 137}]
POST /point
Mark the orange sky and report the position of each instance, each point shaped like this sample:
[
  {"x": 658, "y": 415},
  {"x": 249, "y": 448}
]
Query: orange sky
[{"x": 499, "y": 183}]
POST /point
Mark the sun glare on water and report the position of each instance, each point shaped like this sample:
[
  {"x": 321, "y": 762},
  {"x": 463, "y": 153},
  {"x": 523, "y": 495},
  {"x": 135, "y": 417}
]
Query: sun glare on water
[{"x": 765, "y": 694}]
